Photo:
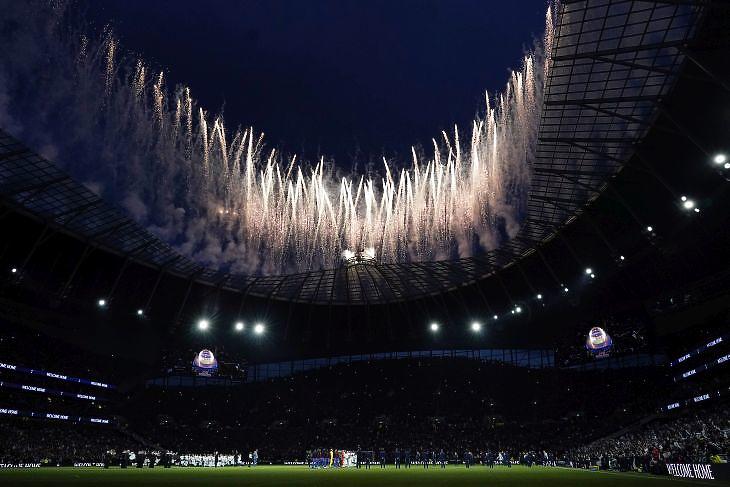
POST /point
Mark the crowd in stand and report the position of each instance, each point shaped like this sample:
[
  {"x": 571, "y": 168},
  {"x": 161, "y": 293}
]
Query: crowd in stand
[
  {"x": 470, "y": 410},
  {"x": 456, "y": 404},
  {"x": 699, "y": 437},
  {"x": 58, "y": 443}
]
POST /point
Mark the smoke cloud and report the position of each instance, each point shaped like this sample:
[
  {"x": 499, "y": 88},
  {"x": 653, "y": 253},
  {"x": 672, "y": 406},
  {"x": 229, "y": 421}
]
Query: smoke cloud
[{"x": 220, "y": 195}]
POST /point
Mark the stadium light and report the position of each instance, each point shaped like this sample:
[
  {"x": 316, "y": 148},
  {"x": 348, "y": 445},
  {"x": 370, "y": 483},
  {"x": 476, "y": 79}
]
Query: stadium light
[
  {"x": 101, "y": 303},
  {"x": 727, "y": 165},
  {"x": 518, "y": 309},
  {"x": 14, "y": 270},
  {"x": 496, "y": 317},
  {"x": 589, "y": 270},
  {"x": 622, "y": 257},
  {"x": 434, "y": 327},
  {"x": 476, "y": 327},
  {"x": 649, "y": 228},
  {"x": 203, "y": 325},
  {"x": 539, "y": 296},
  {"x": 687, "y": 203},
  {"x": 593, "y": 276},
  {"x": 258, "y": 329},
  {"x": 140, "y": 312},
  {"x": 720, "y": 158},
  {"x": 238, "y": 326},
  {"x": 565, "y": 289}
]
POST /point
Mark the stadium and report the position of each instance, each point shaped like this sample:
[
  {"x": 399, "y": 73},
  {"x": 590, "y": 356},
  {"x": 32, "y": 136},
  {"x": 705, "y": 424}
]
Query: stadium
[{"x": 539, "y": 294}]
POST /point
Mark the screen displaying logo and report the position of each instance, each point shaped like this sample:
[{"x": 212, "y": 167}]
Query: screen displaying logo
[
  {"x": 205, "y": 363},
  {"x": 598, "y": 342}
]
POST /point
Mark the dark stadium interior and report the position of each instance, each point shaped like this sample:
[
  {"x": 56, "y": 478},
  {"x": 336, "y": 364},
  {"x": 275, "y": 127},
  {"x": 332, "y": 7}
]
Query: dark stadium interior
[{"x": 374, "y": 357}]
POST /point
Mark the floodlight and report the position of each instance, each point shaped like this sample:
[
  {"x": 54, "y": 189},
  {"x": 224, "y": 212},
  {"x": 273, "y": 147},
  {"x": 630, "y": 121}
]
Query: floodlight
[
  {"x": 238, "y": 326},
  {"x": 476, "y": 326},
  {"x": 203, "y": 324},
  {"x": 434, "y": 327},
  {"x": 101, "y": 303},
  {"x": 258, "y": 328},
  {"x": 720, "y": 158}
]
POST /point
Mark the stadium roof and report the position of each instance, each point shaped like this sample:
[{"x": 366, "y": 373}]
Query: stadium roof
[{"x": 612, "y": 63}]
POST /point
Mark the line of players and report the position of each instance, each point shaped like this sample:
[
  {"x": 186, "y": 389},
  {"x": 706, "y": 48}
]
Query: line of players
[
  {"x": 167, "y": 459},
  {"x": 429, "y": 457},
  {"x": 140, "y": 459}
]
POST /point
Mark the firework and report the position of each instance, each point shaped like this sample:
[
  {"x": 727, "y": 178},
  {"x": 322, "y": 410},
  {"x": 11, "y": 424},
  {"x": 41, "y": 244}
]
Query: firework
[{"x": 224, "y": 198}]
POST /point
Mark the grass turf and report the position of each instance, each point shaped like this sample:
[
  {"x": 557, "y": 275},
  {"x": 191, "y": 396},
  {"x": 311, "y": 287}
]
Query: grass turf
[{"x": 269, "y": 476}]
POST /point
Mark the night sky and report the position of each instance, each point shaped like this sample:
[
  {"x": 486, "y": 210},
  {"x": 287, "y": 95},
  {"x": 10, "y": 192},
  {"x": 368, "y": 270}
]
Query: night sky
[{"x": 348, "y": 79}]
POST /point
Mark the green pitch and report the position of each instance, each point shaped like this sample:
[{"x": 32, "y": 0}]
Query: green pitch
[{"x": 266, "y": 476}]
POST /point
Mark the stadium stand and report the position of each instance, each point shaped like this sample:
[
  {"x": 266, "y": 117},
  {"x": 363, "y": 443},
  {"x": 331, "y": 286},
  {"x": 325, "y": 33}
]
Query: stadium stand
[
  {"x": 695, "y": 437},
  {"x": 26, "y": 441}
]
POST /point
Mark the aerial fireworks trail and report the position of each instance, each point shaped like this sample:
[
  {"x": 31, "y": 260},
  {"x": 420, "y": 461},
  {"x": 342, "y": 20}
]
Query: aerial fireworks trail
[{"x": 221, "y": 196}]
